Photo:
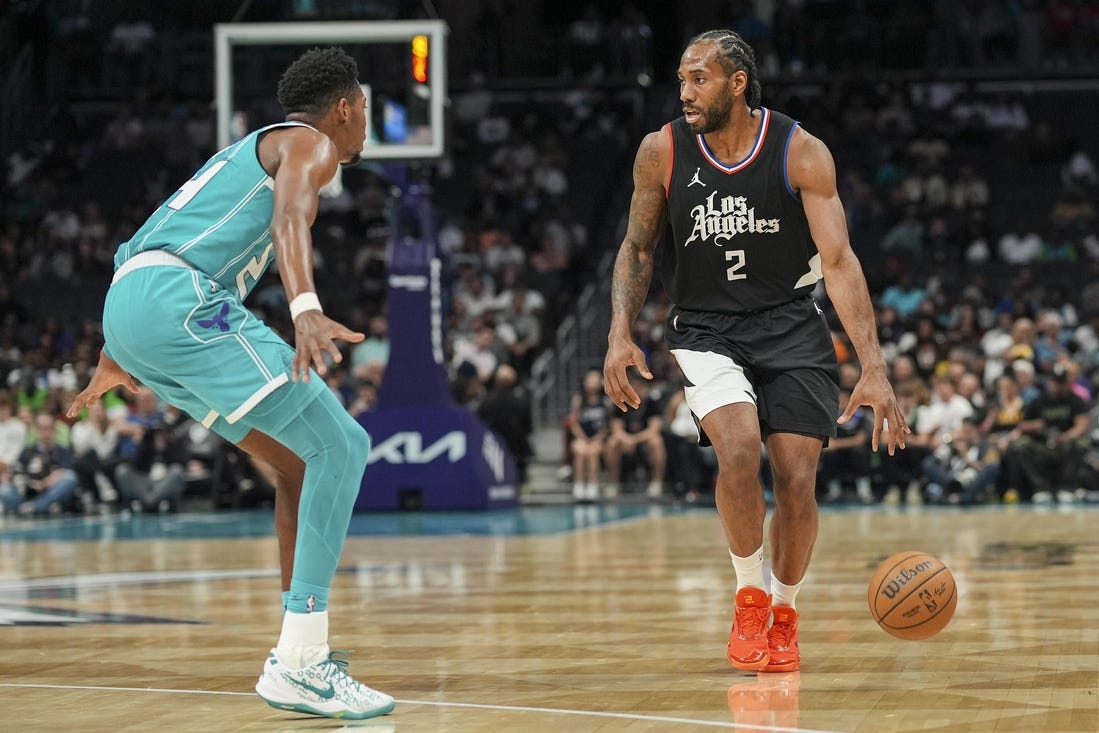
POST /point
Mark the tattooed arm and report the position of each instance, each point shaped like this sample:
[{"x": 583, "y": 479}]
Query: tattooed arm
[{"x": 633, "y": 268}]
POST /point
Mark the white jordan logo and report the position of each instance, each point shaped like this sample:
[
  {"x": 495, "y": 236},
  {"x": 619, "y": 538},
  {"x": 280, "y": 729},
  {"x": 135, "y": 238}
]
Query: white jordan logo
[{"x": 696, "y": 179}]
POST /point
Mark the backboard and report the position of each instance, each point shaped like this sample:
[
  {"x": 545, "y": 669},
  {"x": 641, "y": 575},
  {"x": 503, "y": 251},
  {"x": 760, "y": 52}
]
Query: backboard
[{"x": 402, "y": 65}]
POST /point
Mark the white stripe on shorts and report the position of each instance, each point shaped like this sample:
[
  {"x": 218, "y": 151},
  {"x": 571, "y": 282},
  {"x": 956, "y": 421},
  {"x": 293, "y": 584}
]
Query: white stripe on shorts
[
  {"x": 256, "y": 398},
  {"x": 717, "y": 380}
]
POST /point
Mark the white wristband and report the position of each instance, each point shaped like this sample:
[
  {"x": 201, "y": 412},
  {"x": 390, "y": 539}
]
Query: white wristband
[{"x": 304, "y": 302}]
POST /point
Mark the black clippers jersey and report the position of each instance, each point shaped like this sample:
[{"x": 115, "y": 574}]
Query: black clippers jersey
[{"x": 740, "y": 240}]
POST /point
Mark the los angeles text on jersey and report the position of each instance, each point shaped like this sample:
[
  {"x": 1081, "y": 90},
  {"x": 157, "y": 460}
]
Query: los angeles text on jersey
[{"x": 730, "y": 216}]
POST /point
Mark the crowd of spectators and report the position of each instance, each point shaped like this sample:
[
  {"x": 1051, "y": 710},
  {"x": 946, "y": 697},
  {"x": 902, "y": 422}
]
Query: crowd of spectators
[
  {"x": 1030, "y": 37},
  {"x": 982, "y": 280},
  {"x": 1035, "y": 35}
]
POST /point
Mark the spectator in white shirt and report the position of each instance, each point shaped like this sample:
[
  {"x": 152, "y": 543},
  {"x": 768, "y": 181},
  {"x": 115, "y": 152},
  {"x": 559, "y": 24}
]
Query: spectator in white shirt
[
  {"x": 13, "y": 434},
  {"x": 1080, "y": 172},
  {"x": 95, "y": 456},
  {"x": 513, "y": 280},
  {"x": 475, "y": 295},
  {"x": 945, "y": 413},
  {"x": 478, "y": 350},
  {"x": 1019, "y": 246}
]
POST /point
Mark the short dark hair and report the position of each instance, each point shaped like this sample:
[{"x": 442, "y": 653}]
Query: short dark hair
[
  {"x": 319, "y": 78},
  {"x": 735, "y": 54}
]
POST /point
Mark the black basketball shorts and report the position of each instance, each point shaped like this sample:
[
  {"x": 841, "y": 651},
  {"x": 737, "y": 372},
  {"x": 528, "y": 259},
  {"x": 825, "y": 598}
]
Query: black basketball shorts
[{"x": 781, "y": 359}]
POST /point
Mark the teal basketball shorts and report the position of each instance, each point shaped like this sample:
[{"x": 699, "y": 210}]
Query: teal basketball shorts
[{"x": 198, "y": 347}]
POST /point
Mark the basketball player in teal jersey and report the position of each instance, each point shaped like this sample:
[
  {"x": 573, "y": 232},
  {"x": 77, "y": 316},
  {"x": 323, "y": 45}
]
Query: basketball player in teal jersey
[
  {"x": 174, "y": 319},
  {"x": 756, "y": 221}
]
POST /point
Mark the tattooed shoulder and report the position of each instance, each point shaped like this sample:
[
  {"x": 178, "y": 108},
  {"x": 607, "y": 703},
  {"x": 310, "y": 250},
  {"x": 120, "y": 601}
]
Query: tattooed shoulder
[{"x": 647, "y": 164}]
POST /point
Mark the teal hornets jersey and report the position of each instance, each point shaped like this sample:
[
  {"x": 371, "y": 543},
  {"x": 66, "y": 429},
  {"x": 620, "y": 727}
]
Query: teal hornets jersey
[{"x": 219, "y": 221}]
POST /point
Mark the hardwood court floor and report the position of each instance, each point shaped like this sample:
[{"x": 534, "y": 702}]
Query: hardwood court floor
[{"x": 547, "y": 619}]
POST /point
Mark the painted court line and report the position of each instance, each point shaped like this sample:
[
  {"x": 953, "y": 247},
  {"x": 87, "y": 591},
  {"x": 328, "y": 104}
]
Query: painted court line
[
  {"x": 470, "y": 705},
  {"x": 598, "y": 524},
  {"x": 135, "y": 578}
]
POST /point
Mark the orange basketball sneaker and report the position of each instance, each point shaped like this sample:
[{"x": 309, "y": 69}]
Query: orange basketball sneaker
[
  {"x": 748, "y": 639},
  {"x": 782, "y": 641}
]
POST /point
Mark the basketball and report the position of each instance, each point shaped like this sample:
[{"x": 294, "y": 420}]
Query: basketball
[{"x": 912, "y": 595}]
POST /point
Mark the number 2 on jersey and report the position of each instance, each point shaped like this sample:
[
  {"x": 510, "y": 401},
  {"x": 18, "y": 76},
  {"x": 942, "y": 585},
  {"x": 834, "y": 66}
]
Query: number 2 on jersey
[
  {"x": 189, "y": 189},
  {"x": 738, "y": 256}
]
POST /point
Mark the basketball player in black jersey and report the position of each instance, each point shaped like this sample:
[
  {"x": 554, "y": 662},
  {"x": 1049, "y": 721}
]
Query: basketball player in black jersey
[{"x": 756, "y": 221}]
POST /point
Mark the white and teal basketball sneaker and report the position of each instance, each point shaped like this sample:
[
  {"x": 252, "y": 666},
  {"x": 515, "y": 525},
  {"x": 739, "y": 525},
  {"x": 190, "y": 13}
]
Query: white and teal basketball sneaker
[{"x": 324, "y": 688}]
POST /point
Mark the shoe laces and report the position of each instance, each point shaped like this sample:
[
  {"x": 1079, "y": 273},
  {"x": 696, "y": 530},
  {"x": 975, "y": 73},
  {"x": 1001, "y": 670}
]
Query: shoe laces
[
  {"x": 781, "y": 636},
  {"x": 338, "y": 664},
  {"x": 341, "y": 660},
  {"x": 338, "y": 674},
  {"x": 751, "y": 621}
]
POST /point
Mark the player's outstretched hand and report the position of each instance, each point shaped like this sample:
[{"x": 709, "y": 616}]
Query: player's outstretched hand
[
  {"x": 621, "y": 354},
  {"x": 314, "y": 335},
  {"x": 873, "y": 389},
  {"x": 108, "y": 375}
]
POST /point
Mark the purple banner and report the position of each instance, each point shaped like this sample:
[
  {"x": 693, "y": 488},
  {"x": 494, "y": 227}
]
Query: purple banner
[
  {"x": 428, "y": 453},
  {"x": 435, "y": 458}
]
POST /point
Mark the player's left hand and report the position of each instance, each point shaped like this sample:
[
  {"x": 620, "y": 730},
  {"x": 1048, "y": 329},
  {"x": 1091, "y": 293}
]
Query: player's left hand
[
  {"x": 873, "y": 389},
  {"x": 108, "y": 375},
  {"x": 314, "y": 336},
  {"x": 623, "y": 353}
]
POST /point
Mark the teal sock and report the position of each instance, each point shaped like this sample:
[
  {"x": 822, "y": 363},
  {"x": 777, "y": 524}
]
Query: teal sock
[
  {"x": 306, "y": 598},
  {"x": 285, "y": 600}
]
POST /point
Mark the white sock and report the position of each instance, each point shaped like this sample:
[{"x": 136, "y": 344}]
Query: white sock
[
  {"x": 782, "y": 594},
  {"x": 749, "y": 570},
  {"x": 304, "y": 639}
]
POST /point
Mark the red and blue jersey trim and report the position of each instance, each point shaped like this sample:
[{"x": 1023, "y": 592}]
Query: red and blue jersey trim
[
  {"x": 671, "y": 163},
  {"x": 752, "y": 154}
]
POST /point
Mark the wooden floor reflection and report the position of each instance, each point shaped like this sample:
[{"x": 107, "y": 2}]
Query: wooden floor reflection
[{"x": 617, "y": 626}]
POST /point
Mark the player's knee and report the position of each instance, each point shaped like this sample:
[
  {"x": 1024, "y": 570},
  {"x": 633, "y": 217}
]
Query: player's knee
[
  {"x": 738, "y": 457},
  {"x": 355, "y": 444},
  {"x": 359, "y": 440},
  {"x": 328, "y": 439}
]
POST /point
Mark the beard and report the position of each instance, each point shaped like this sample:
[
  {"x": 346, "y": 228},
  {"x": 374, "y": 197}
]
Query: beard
[
  {"x": 352, "y": 160},
  {"x": 716, "y": 116}
]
